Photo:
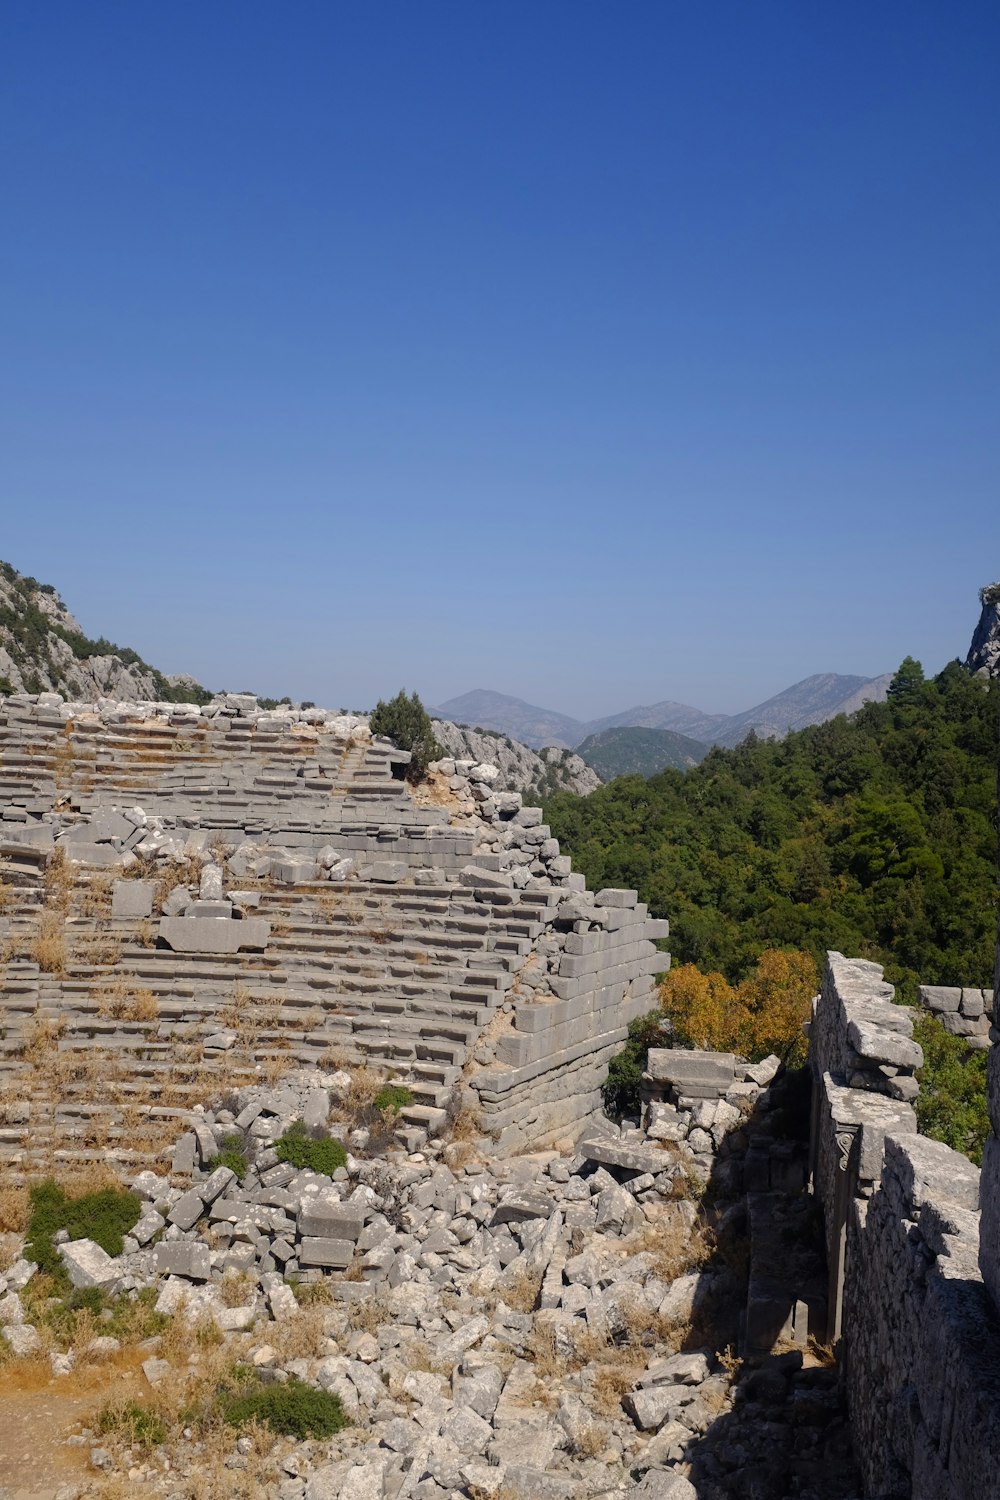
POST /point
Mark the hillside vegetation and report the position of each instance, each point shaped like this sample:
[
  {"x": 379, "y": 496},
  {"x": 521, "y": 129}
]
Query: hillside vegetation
[
  {"x": 874, "y": 835},
  {"x": 42, "y": 649},
  {"x": 639, "y": 752}
]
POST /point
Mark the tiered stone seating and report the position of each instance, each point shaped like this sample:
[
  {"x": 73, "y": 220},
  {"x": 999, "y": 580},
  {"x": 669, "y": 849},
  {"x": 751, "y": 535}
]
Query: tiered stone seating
[{"x": 406, "y": 965}]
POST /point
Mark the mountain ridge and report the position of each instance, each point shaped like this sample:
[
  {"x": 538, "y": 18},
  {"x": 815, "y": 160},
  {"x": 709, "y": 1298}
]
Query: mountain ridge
[{"x": 813, "y": 700}]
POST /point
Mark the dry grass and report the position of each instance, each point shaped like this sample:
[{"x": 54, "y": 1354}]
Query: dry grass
[
  {"x": 15, "y": 1209},
  {"x": 42, "y": 1040},
  {"x": 100, "y": 949},
  {"x": 519, "y": 1288},
  {"x": 58, "y": 881},
  {"x": 236, "y": 1288},
  {"x": 8, "y": 895},
  {"x": 48, "y": 947},
  {"x": 370, "y": 1314},
  {"x": 674, "y": 1247},
  {"x": 95, "y": 897}
]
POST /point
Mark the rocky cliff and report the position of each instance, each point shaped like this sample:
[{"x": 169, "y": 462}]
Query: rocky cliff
[
  {"x": 984, "y": 653},
  {"x": 537, "y": 774},
  {"x": 43, "y": 649}
]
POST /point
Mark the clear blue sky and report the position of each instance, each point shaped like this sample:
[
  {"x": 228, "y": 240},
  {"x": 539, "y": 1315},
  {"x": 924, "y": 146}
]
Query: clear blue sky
[{"x": 594, "y": 353}]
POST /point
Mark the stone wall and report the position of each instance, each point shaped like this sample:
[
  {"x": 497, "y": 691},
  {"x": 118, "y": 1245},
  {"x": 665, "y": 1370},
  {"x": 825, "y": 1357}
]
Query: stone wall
[
  {"x": 963, "y": 1011},
  {"x": 915, "y": 1315}
]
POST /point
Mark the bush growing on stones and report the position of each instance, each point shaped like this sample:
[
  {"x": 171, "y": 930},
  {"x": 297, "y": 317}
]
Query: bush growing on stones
[
  {"x": 294, "y": 1409},
  {"x": 232, "y": 1154},
  {"x": 392, "y": 1098},
  {"x": 105, "y": 1217},
  {"x": 314, "y": 1153},
  {"x": 406, "y": 722}
]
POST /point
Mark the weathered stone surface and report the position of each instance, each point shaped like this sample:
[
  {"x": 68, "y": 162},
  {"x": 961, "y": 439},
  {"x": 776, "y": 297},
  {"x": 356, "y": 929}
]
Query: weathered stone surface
[
  {"x": 207, "y": 935},
  {"x": 87, "y": 1265},
  {"x": 189, "y": 1259},
  {"x": 132, "y": 900}
]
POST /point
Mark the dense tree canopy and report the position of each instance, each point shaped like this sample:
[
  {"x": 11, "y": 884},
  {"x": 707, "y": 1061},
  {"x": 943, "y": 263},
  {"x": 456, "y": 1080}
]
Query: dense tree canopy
[{"x": 875, "y": 835}]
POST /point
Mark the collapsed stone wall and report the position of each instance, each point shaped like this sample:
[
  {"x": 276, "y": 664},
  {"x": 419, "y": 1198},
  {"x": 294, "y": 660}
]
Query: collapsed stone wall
[
  {"x": 439, "y": 933},
  {"x": 916, "y": 1315}
]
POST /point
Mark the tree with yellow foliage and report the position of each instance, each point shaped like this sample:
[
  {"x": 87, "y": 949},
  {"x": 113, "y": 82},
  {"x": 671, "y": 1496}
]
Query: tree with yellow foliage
[{"x": 765, "y": 1014}]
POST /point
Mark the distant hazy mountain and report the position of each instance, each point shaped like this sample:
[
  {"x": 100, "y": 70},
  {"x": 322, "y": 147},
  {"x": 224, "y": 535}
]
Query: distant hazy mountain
[
  {"x": 522, "y": 721},
  {"x": 811, "y": 701},
  {"x": 630, "y": 751}
]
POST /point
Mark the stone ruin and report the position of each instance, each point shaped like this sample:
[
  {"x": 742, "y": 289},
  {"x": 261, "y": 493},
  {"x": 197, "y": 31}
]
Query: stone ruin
[
  {"x": 283, "y": 906},
  {"x": 913, "y": 1247},
  {"x": 272, "y": 872}
]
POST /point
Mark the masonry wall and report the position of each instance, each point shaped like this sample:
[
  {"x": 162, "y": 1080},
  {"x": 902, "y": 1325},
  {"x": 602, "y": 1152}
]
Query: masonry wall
[{"x": 914, "y": 1312}]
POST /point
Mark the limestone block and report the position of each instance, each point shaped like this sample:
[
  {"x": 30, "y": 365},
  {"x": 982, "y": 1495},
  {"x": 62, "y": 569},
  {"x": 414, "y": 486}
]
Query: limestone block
[
  {"x": 334, "y": 1253},
  {"x": 293, "y": 871},
  {"x": 610, "y": 897},
  {"x": 939, "y": 997},
  {"x": 192, "y": 1259},
  {"x": 692, "y": 1071},
  {"x": 101, "y": 856},
  {"x": 926, "y": 1171},
  {"x": 132, "y": 899},
  {"x": 211, "y": 883},
  {"x": 87, "y": 1265},
  {"x": 386, "y": 871},
  {"x": 206, "y": 935},
  {"x": 328, "y": 1220},
  {"x": 177, "y": 902},
  {"x": 876, "y": 1044},
  {"x": 187, "y": 1210}
]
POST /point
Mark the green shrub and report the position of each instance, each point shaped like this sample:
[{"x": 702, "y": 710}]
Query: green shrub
[
  {"x": 392, "y": 1098},
  {"x": 104, "y": 1217},
  {"x": 314, "y": 1153},
  {"x": 142, "y": 1426},
  {"x": 406, "y": 722},
  {"x": 620, "y": 1090},
  {"x": 232, "y": 1154},
  {"x": 295, "y": 1409},
  {"x": 951, "y": 1105}
]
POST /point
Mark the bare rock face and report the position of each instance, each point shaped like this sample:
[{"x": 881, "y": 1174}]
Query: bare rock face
[
  {"x": 984, "y": 653},
  {"x": 535, "y": 773}
]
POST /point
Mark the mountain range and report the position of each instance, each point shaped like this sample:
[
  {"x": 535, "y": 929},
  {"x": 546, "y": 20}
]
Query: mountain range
[{"x": 811, "y": 701}]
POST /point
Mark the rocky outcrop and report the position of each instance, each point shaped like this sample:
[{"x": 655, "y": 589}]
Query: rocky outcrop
[
  {"x": 535, "y": 773},
  {"x": 43, "y": 649},
  {"x": 984, "y": 653}
]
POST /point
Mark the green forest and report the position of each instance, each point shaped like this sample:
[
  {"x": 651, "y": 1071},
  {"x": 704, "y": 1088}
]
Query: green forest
[{"x": 875, "y": 835}]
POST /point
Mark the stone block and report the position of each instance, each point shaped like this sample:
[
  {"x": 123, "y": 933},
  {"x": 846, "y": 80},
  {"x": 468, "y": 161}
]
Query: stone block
[
  {"x": 101, "y": 856},
  {"x": 716, "y": 1070},
  {"x": 877, "y": 1044},
  {"x": 219, "y": 911},
  {"x": 190, "y": 1258},
  {"x": 386, "y": 871},
  {"x": 187, "y": 1210},
  {"x": 206, "y": 935},
  {"x": 132, "y": 900},
  {"x": 938, "y": 997},
  {"x": 621, "y": 899},
  {"x": 334, "y": 1221},
  {"x": 929, "y": 1171},
  {"x": 294, "y": 871},
  {"x": 87, "y": 1265},
  {"x": 335, "y": 1254}
]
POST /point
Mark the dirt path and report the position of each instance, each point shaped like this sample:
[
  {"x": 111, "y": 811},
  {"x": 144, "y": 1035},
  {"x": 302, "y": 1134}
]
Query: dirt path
[{"x": 34, "y": 1459}]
